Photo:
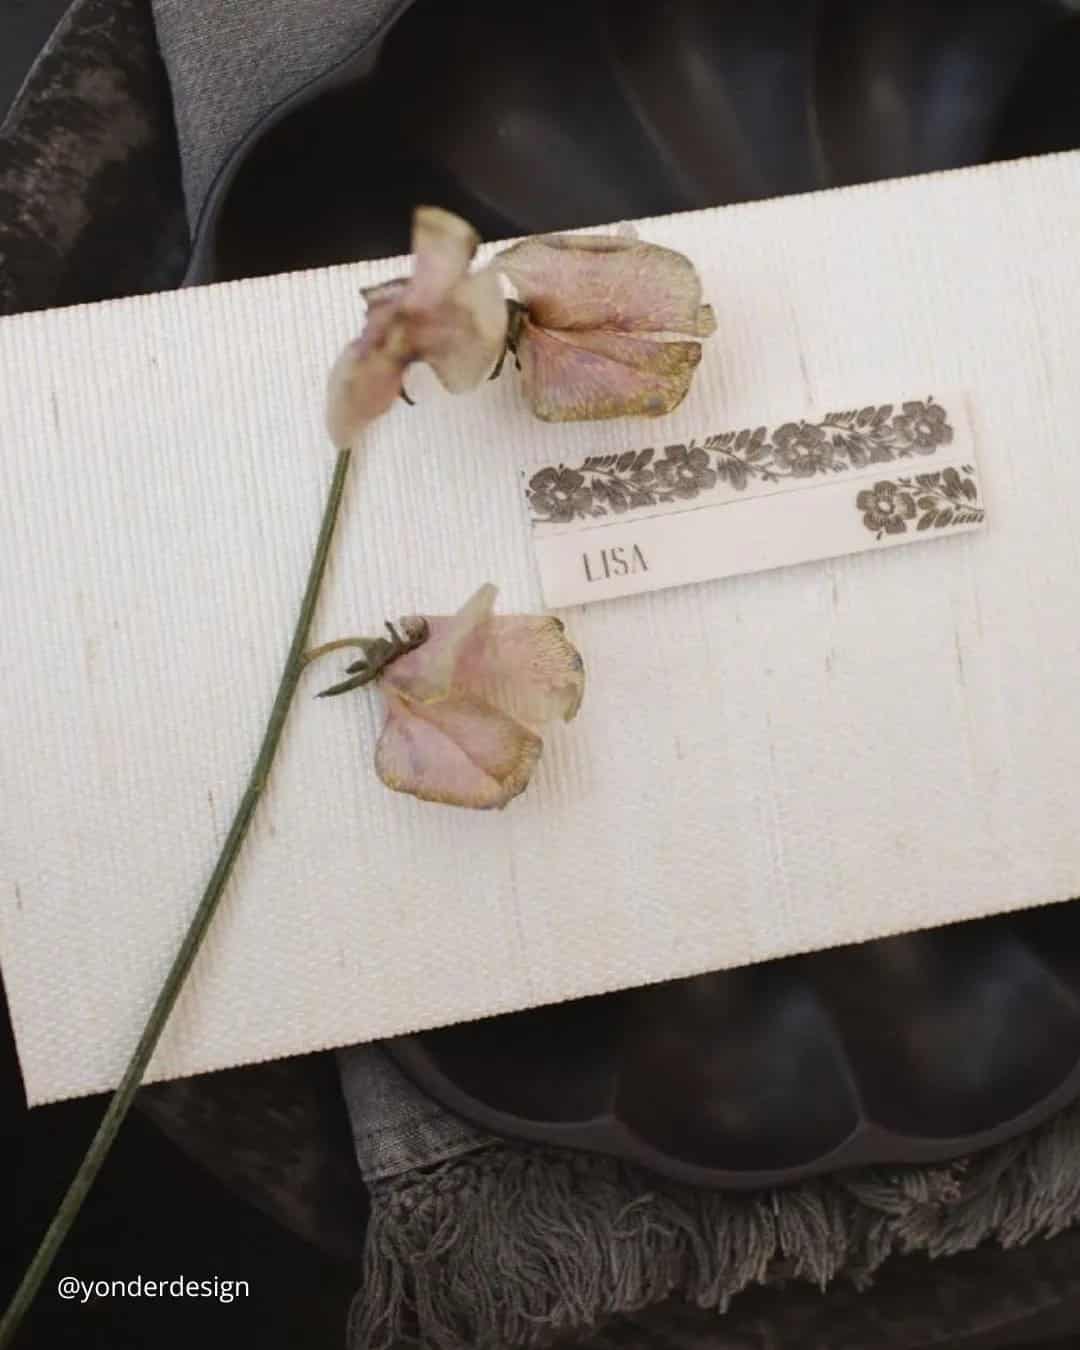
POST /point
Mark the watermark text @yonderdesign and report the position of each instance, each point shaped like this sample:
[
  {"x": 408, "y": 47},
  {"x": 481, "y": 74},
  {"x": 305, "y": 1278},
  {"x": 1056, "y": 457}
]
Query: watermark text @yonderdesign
[{"x": 139, "y": 1286}]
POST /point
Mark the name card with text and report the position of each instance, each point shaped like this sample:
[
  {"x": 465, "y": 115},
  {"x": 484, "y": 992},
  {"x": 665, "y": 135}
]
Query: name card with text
[{"x": 747, "y": 501}]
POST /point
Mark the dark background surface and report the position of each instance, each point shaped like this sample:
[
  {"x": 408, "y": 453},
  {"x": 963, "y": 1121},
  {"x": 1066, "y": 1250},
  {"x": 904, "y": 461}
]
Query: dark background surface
[{"x": 154, "y": 1212}]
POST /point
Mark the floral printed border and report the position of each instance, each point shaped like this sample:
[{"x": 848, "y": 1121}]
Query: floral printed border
[
  {"x": 945, "y": 497},
  {"x": 615, "y": 484}
]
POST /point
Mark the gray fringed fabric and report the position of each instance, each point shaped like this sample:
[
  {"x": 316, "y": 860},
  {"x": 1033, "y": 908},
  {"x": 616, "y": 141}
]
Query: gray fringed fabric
[{"x": 502, "y": 1245}]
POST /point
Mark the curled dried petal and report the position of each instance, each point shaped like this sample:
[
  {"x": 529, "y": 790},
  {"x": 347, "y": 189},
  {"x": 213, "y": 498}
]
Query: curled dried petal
[
  {"x": 462, "y": 706},
  {"x": 442, "y": 314},
  {"x": 365, "y": 380},
  {"x": 444, "y": 245},
  {"x": 571, "y": 376},
  {"x": 521, "y": 663},
  {"x": 462, "y": 338},
  {"x": 456, "y": 751},
  {"x": 428, "y": 672},
  {"x": 606, "y": 281},
  {"x": 599, "y": 333},
  {"x": 526, "y": 665}
]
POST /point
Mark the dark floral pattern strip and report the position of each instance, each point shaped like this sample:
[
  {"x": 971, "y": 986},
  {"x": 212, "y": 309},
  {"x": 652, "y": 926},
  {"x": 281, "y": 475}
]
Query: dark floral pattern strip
[
  {"x": 939, "y": 499},
  {"x": 841, "y": 441}
]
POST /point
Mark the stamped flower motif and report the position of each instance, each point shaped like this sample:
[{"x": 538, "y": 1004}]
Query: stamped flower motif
[
  {"x": 924, "y": 426},
  {"x": 685, "y": 471},
  {"x": 839, "y": 442},
  {"x": 454, "y": 320},
  {"x": 601, "y": 325},
  {"x": 941, "y": 498},
  {"x": 802, "y": 449},
  {"x": 464, "y": 695},
  {"x": 886, "y": 508},
  {"x": 559, "y": 495}
]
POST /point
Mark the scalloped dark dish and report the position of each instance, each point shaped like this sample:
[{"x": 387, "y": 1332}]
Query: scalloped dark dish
[{"x": 908, "y": 1049}]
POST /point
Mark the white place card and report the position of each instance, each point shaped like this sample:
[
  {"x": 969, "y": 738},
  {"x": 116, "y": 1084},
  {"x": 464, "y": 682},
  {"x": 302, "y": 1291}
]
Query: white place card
[
  {"x": 766, "y": 764},
  {"x": 735, "y": 502}
]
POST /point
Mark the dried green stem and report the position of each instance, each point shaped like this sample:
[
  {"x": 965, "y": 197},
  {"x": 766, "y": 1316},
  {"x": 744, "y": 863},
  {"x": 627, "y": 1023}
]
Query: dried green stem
[
  {"x": 378, "y": 654},
  {"x": 125, "y": 1094},
  {"x": 335, "y": 646}
]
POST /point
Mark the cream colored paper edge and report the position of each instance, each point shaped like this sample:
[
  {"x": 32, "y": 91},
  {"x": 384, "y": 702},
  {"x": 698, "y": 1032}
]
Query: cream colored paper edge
[{"x": 765, "y": 765}]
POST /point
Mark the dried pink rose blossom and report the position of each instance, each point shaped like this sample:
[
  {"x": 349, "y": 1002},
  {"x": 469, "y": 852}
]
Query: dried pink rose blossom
[
  {"x": 596, "y": 331},
  {"x": 454, "y": 320},
  {"x": 463, "y": 705}
]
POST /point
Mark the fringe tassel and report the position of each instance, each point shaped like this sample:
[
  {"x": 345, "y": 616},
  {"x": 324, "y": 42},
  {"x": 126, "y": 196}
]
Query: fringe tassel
[{"x": 509, "y": 1246}]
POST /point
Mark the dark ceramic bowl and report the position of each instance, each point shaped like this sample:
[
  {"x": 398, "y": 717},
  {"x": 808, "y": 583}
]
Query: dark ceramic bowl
[
  {"x": 908, "y": 1049},
  {"x": 527, "y": 118}
]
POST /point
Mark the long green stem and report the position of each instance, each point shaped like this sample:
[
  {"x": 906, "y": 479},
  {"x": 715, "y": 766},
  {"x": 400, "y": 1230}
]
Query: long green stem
[{"x": 125, "y": 1094}]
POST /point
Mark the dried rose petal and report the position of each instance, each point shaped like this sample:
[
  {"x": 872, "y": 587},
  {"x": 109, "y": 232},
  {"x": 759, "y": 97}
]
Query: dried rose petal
[
  {"x": 461, "y": 707},
  {"x": 443, "y": 314},
  {"x": 595, "y": 337}
]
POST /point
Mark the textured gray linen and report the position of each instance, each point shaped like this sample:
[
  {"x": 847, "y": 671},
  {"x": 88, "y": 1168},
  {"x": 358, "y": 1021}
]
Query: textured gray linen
[{"x": 231, "y": 62}]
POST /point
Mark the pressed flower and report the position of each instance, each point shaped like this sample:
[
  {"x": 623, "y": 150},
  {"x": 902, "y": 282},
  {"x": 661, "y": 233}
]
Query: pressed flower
[
  {"x": 454, "y": 320},
  {"x": 464, "y": 695},
  {"x": 601, "y": 325}
]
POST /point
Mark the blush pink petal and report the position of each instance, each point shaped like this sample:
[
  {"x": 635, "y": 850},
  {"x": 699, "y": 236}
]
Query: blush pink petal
[
  {"x": 455, "y": 751},
  {"x": 600, "y": 327},
  {"x": 442, "y": 314},
  {"x": 443, "y": 245},
  {"x": 572, "y": 375},
  {"x": 364, "y": 380},
  {"x": 463, "y": 337},
  {"x": 606, "y": 281},
  {"x": 461, "y": 707},
  {"x": 522, "y": 664},
  {"x": 525, "y": 665},
  {"x": 427, "y": 673}
]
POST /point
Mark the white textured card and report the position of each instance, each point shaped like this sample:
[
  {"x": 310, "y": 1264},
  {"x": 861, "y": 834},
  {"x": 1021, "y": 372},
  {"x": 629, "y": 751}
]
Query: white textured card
[
  {"x": 762, "y": 765},
  {"x": 747, "y": 501}
]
